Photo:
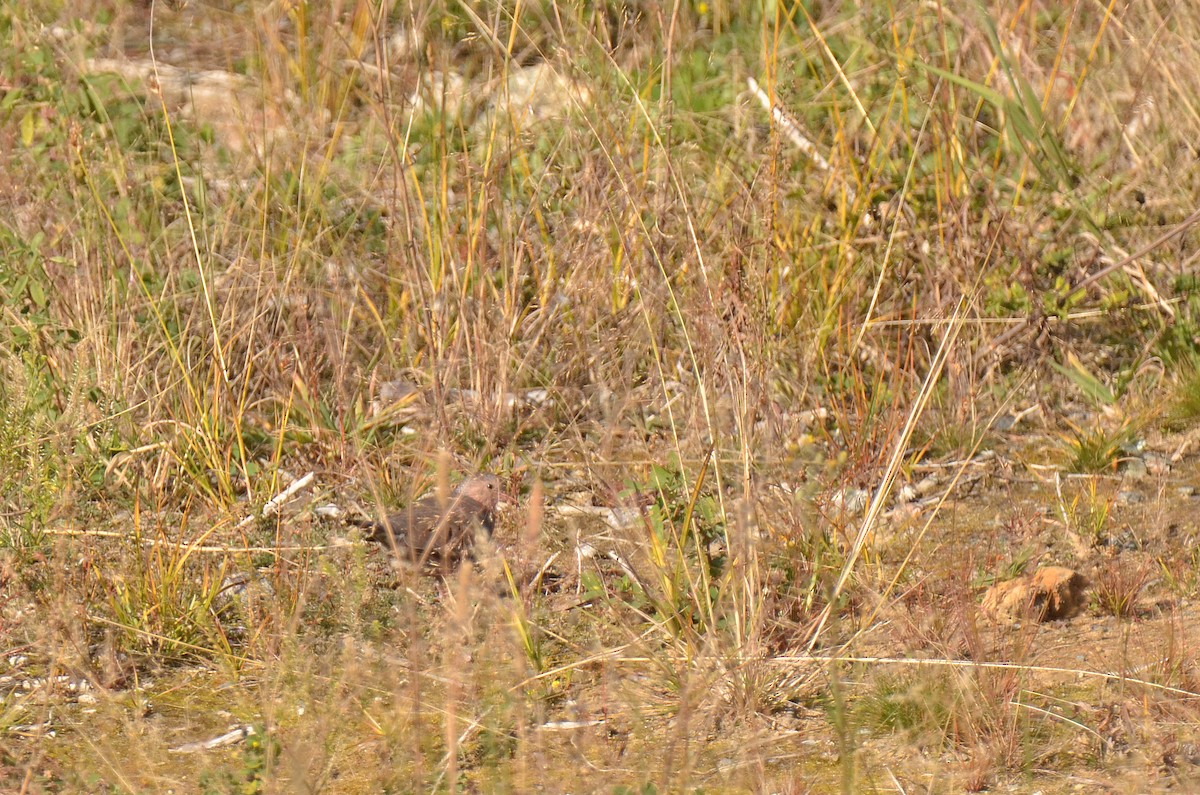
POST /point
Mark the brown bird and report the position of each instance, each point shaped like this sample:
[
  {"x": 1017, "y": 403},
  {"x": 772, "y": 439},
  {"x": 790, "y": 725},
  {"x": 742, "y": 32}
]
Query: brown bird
[{"x": 428, "y": 531}]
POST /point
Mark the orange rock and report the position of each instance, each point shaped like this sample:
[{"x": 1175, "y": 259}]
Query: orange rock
[{"x": 1049, "y": 594}]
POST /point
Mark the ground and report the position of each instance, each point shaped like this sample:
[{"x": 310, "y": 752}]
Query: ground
[{"x": 792, "y": 332}]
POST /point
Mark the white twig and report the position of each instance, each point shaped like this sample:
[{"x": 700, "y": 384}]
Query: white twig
[
  {"x": 279, "y": 499},
  {"x": 563, "y": 725},
  {"x": 235, "y": 735},
  {"x": 542, "y": 572},
  {"x": 275, "y": 503},
  {"x": 789, "y": 126}
]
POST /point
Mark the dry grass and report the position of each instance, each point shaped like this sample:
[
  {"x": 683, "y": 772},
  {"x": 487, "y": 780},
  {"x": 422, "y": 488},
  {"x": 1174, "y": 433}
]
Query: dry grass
[{"x": 788, "y": 351}]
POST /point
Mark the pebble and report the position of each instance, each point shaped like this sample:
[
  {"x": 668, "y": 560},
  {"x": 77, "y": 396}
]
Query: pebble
[
  {"x": 1127, "y": 497},
  {"x": 1157, "y": 464},
  {"x": 851, "y": 500},
  {"x": 1134, "y": 468},
  {"x": 1125, "y": 541}
]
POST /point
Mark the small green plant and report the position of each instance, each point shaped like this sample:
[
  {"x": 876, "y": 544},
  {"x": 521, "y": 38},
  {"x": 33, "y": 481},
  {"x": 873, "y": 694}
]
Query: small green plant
[
  {"x": 258, "y": 756},
  {"x": 1096, "y": 391},
  {"x": 1014, "y": 567},
  {"x": 1088, "y": 513},
  {"x": 681, "y": 526},
  {"x": 902, "y": 704},
  {"x": 528, "y": 634},
  {"x": 166, "y": 602},
  {"x": 1097, "y": 450},
  {"x": 1119, "y": 583},
  {"x": 1184, "y": 410}
]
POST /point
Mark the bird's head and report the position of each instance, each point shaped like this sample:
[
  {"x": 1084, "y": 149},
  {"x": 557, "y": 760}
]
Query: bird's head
[{"x": 483, "y": 489}]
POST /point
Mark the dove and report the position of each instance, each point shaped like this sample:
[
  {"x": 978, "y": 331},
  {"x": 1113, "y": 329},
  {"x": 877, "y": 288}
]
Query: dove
[{"x": 430, "y": 531}]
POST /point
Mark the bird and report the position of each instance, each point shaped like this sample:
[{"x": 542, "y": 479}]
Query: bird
[{"x": 430, "y": 531}]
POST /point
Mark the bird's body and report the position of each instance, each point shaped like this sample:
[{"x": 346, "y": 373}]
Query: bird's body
[{"x": 431, "y": 530}]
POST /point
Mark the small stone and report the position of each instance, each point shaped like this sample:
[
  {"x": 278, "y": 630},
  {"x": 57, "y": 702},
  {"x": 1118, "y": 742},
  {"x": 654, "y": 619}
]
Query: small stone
[
  {"x": 394, "y": 391},
  {"x": 1124, "y": 541},
  {"x": 1134, "y": 468},
  {"x": 1157, "y": 464},
  {"x": 927, "y": 486},
  {"x": 399, "y": 400},
  {"x": 1135, "y": 447},
  {"x": 328, "y": 511},
  {"x": 852, "y": 501}
]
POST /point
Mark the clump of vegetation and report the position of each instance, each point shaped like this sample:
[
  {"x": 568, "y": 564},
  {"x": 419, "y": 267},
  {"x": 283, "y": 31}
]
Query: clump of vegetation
[
  {"x": 1184, "y": 408},
  {"x": 1119, "y": 583},
  {"x": 1096, "y": 450}
]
